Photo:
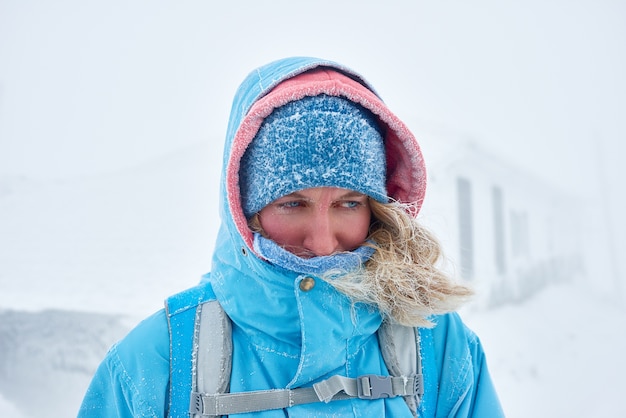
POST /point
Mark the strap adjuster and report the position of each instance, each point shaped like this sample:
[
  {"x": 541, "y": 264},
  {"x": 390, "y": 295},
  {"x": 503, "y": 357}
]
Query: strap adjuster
[
  {"x": 372, "y": 386},
  {"x": 196, "y": 403}
]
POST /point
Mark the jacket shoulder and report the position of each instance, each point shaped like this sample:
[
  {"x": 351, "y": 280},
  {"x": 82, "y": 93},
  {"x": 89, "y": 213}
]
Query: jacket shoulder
[
  {"x": 454, "y": 355},
  {"x": 189, "y": 299},
  {"x": 454, "y": 344},
  {"x": 134, "y": 370}
]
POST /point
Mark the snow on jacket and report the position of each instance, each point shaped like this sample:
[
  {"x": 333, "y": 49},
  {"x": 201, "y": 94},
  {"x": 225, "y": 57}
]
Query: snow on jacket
[{"x": 285, "y": 337}]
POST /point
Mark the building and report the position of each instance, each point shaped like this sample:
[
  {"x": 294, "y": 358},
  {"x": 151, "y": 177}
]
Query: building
[{"x": 502, "y": 229}]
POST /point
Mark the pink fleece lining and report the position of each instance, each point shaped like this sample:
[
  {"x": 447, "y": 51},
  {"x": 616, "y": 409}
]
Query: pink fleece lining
[{"x": 406, "y": 173}]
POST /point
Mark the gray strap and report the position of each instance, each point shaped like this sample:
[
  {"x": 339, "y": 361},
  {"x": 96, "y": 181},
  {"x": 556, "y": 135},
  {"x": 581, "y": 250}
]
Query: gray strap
[
  {"x": 400, "y": 347},
  {"x": 328, "y": 388},
  {"x": 242, "y": 402},
  {"x": 332, "y": 389},
  {"x": 212, "y": 351}
]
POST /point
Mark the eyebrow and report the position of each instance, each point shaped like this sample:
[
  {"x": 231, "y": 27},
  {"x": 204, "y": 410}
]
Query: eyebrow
[
  {"x": 353, "y": 194},
  {"x": 348, "y": 195}
]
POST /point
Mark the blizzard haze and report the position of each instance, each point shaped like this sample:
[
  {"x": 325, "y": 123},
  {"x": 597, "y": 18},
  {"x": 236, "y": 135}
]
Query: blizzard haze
[{"x": 112, "y": 118}]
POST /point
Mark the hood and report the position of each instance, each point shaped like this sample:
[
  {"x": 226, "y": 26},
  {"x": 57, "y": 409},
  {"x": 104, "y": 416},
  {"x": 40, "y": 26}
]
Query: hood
[{"x": 286, "y": 80}]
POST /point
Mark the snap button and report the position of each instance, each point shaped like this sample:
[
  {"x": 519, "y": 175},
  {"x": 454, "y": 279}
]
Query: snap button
[{"x": 307, "y": 284}]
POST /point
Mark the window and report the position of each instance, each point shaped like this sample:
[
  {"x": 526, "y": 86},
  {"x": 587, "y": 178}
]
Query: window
[
  {"x": 498, "y": 228},
  {"x": 466, "y": 235}
]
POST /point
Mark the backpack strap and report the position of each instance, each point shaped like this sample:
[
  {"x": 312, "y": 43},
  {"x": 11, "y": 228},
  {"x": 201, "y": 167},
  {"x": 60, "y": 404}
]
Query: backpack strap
[
  {"x": 400, "y": 347},
  {"x": 333, "y": 389},
  {"x": 211, "y": 367},
  {"x": 212, "y": 355},
  {"x": 183, "y": 320}
]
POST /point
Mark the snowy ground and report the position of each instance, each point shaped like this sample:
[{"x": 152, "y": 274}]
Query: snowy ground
[
  {"x": 82, "y": 261},
  {"x": 47, "y": 357},
  {"x": 561, "y": 354}
]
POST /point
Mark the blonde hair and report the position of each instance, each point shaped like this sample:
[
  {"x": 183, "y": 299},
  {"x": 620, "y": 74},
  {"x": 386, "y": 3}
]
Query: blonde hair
[{"x": 403, "y": 278}]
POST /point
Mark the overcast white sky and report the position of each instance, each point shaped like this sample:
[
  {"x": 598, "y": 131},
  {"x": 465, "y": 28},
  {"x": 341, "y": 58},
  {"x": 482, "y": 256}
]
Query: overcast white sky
[{"x": 87, "y": 87}]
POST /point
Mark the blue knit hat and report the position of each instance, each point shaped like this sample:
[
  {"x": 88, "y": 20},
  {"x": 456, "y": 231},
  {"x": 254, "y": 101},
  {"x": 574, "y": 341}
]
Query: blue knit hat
[{"x": 319, "y": 141}]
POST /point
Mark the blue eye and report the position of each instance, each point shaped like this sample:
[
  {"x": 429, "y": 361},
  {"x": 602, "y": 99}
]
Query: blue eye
[
  {"x": 290, "y": 204},
  {"x": 351, "y": 204}
]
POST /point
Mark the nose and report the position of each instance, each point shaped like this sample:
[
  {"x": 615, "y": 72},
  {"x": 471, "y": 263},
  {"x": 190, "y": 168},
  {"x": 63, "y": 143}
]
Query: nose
[{"x": 321, "y": 238}]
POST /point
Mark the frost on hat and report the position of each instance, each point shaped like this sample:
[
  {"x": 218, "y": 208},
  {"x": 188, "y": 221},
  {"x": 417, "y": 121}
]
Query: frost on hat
[{"x": 318, "y": 141}]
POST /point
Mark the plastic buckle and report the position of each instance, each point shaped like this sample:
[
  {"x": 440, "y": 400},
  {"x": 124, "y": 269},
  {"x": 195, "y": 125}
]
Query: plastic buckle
[{"x": 371, "y": 386}]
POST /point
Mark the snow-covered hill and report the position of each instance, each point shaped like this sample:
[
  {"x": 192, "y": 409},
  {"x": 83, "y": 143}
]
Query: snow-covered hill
[{"x": 47, "y": 357}]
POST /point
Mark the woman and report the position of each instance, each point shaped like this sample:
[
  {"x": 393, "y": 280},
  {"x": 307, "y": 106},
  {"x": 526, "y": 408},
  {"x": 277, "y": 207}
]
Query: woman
[{"x": 317, "y": 249}]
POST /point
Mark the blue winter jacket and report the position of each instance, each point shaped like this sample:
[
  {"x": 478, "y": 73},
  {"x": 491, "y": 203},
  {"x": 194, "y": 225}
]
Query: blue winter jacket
[{"x": 285, "y": 337}]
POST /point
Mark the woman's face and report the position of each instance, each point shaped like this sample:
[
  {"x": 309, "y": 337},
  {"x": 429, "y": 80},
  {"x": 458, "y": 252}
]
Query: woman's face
[{"x": 318, "y": 221}]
